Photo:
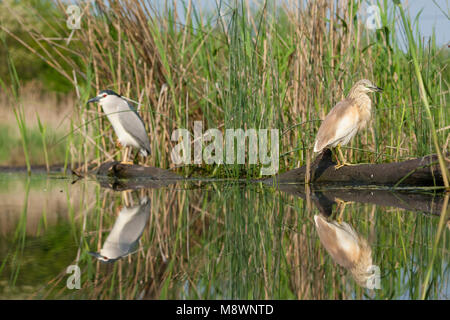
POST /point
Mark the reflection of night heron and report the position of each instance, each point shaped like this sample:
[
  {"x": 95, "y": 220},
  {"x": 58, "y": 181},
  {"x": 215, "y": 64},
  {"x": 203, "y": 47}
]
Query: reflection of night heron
[
  {"x": 346, "y": 119},
  {"x": 124, "y": 236},
  {"x": 347, "y": 248},
  {"x": 127, "y": 123}
]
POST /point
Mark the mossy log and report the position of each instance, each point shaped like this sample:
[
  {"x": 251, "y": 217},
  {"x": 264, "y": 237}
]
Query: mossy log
[
  {"x": 423, "y": 171},
  {"x": 113, "y": 175}
]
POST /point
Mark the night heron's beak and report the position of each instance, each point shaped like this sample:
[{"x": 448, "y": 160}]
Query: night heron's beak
[
  {"x": 96, "y": 99},
  {"x": 101, "y": 258},
  {"x": 95, "y": 254},
  {"x": 377, "y": 89}
]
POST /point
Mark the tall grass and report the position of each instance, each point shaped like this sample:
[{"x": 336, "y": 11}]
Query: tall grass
[
  {"x": 424, "y": 95},
  {"x": 43, "y": 131},
  {"x": 17, "y": 108},
  {"x": 253, "y": 66}
]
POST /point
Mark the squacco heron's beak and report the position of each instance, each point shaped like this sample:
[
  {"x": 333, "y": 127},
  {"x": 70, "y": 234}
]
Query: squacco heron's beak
[{"x": 377, "y": 89}]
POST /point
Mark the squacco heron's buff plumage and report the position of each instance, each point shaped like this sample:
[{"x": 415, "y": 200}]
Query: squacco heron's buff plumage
[
  {"x": 346, "y": 247},
  {"x": 347, "y": 117}
]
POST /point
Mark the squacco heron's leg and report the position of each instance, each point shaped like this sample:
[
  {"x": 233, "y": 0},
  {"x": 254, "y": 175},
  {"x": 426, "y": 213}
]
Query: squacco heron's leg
[
  {"x": 341, "y": 206},
  {"x": 343, "y": 159}
]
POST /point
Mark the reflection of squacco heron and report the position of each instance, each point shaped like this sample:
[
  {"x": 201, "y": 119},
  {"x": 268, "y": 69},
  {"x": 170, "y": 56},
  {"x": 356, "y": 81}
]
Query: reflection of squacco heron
[
  {"x": 346, "y": 119},
  {"x": 346, "y": 247}
]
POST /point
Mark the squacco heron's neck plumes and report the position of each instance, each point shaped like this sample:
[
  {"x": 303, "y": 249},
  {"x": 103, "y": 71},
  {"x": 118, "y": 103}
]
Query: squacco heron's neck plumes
[{"x": 346, "y": 118}]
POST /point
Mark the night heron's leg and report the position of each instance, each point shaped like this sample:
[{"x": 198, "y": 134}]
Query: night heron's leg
[
  {"x": 126, "y": 200},
  {"x": 125, "y": 156},
  {"x": 130, "y": 198}
]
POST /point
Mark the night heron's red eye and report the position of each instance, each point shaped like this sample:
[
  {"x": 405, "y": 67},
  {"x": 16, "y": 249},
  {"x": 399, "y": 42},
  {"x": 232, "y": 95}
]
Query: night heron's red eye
[{"x": 104, "y": 96}]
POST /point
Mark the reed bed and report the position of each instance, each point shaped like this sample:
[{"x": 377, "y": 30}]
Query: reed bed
[{"x": 250, "y": 65}]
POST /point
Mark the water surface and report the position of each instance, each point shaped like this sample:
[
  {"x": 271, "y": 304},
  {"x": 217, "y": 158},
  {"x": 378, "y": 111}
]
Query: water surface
[{"x": 217, "y": 240}]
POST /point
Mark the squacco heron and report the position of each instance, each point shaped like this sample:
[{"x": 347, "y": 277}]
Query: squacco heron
[
  {"x": 345, "y": 119},
  {"x": 347, "y": 248}
]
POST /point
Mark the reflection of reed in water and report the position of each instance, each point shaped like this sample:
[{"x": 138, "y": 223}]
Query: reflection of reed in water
[
  {"x": 126, "y": 232},
  {"x": 347, "y": 248}
]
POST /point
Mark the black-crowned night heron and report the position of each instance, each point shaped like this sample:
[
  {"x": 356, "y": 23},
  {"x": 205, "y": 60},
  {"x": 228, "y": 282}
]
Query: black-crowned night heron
[
  {"x": 127, "y": 123},
  {"x": 126, "y": 232},
  {"x": 345, "y": 119},
  {"x": 348, "y": 249}
]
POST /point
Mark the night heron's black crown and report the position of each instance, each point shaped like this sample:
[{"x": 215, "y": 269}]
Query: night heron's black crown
[{"x": 109, "y": 92}]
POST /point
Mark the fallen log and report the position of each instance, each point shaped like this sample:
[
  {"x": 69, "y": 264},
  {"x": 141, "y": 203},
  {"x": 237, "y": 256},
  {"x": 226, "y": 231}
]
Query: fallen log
[
  {"x": 423, "y": 171},
  {"x": 420, "y": 172},
  {"x": 115, "y": 169},
  {"x": 113, "y": 175}
]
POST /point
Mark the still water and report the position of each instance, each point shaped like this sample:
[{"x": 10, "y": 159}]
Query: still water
[{"x": 61, "y": 239}]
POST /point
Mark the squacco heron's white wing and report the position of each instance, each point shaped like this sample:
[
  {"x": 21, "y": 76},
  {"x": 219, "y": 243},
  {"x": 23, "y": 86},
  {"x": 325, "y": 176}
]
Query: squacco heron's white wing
[{"x": 341, "y": 122}]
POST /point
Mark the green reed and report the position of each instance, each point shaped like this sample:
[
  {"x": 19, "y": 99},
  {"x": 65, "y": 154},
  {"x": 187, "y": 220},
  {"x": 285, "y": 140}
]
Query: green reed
[
  {"x": 424, "y": 94},
  {"x": 17, "y": 108},
  {"x": 43, "y": 131}
]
